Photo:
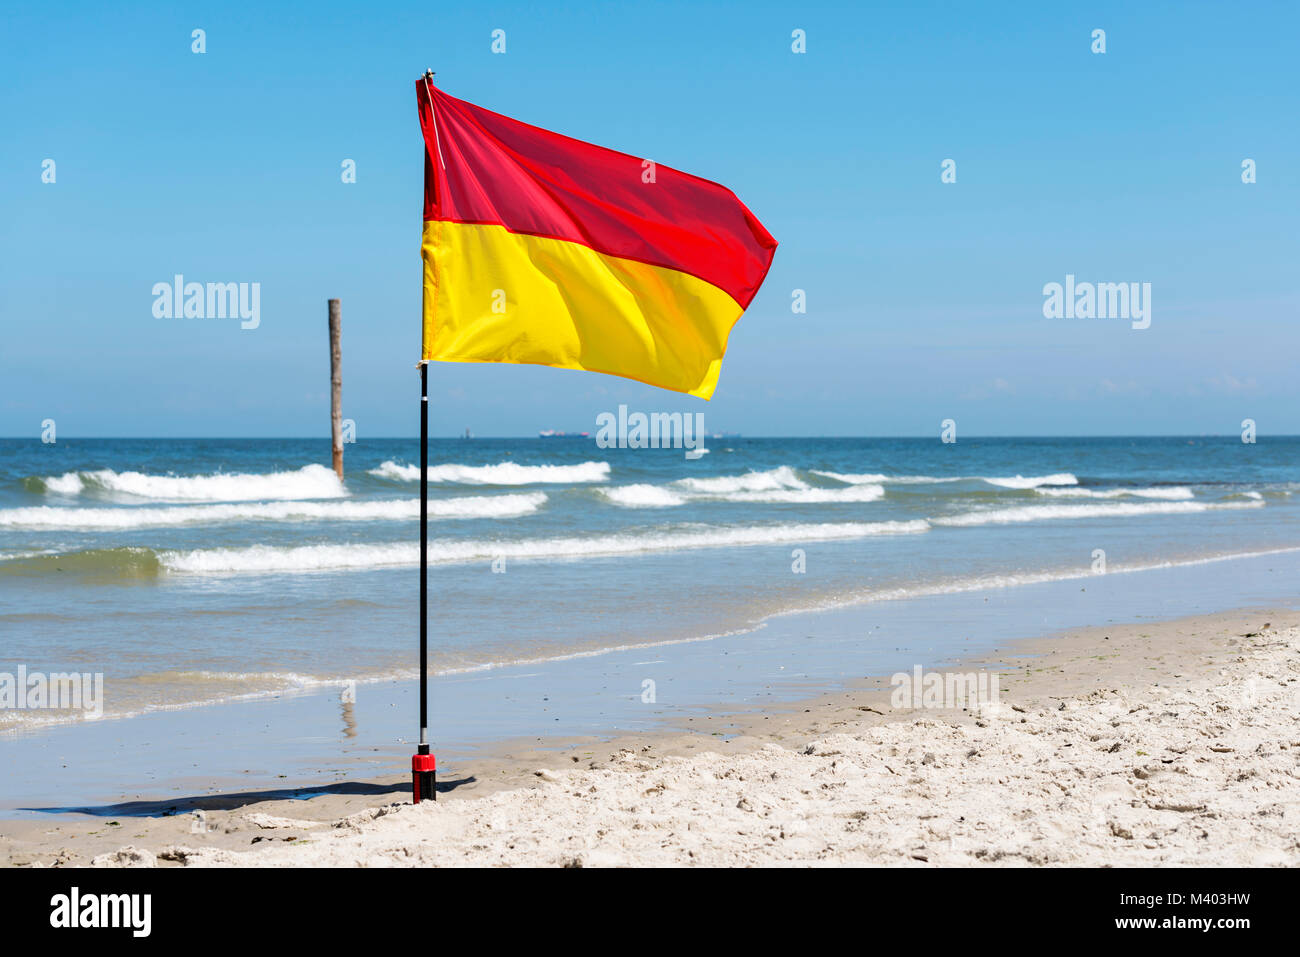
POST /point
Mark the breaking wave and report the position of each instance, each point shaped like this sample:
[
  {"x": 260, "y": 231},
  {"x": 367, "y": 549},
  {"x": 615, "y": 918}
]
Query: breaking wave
[
  {"x": 1021, "y": 482},
  {"x": 309, "y": 558},
  {"x": 310, "y": 481},
  {"x": 505, "y": 473},
  {"x": 775, "y": 479},
  {"x": 643, "y": 496},
  {"x": 1013, "y": 482},
  {"x": 660, "y": 496},
  {"x": 1035, "y": 513},
  {"x": 483, "y": 506},
  {"x": 1172, "y": 492}
]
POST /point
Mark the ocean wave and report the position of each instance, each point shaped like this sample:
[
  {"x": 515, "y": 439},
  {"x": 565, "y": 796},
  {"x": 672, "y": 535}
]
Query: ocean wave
[
  {"x": 310, "y": 558},
  {"x": 69, "y": 483},
  {"x": 867, "y": 478},
  {"x": 1036, "y": 513},
  {"x": 280, "y": 679},
  {"x": 782, "y": 477},
  {"x": 876, "y": 478},
  {"x": 1023, "y": 482},
  {"x": 1172, "y": 492},
  {"x": 505, "y": 473},
  {"x": 17, "y": 556},
  {"x": 660, "y": 496},
  {"x": 992, "y": 582},
  {"x": 310, "y": 481},
  {"x": 807, "y": 496},
  {"x": 642, "y": 496},
  {"x": 783, "y": 485},
  {"x": 1011, "y": 482},
  {"x": 213, "y": 688},
  {"x": 482, "y": 506},
  {"x": 109, "y": 563}
]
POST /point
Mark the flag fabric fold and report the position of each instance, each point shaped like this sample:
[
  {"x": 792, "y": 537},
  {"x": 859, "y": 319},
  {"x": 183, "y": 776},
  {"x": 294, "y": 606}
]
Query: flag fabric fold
[{"x": 546, "y": 250}]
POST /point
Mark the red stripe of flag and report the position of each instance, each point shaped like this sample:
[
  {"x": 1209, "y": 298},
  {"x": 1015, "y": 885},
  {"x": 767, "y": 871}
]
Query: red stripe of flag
[{"x": 500, "y": 171}]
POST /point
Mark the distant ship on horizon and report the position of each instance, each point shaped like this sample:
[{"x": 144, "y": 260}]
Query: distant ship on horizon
[{"x": 553, "y": 434}]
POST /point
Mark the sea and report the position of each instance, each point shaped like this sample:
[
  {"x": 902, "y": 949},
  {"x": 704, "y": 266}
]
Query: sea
[{"x": 194, "y": 572}]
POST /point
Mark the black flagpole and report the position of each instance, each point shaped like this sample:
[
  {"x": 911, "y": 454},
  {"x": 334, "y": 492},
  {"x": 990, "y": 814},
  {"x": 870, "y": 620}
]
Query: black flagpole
[
  {"x": 424, "y": 766},
  {"x": 424, "y": 773}
]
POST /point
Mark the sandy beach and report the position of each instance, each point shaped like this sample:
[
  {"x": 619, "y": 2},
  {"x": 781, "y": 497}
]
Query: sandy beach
[{"x": 1161, "y": 743}]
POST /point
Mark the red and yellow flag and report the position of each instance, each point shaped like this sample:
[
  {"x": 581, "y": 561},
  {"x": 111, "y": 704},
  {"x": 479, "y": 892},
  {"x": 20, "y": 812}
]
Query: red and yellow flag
[{"x": 546, "y": 250}]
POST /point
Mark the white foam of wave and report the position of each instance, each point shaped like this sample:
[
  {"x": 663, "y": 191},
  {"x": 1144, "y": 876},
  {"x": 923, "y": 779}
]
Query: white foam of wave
[
  {"x": 396, "y": 472},
  {"x": 1033, "y": 481},
  {"x": 994, "y": 582},
  {"x": 20, "y": 556},
  {"x": 14, "y": 723},
  {"x": 68, "y": 483},
  {"x": 865, "y": 478},
  {"x": 203, "y": 676},
  {"x": 1012, "y": 482},
  {"x": 1035, "y": 513},
  {"x": 505, "y": 473},
  {"x": 1173, "y": 492},
  {"x": 310, "y": 481},
  {"x": 782, "y": 477},
  {"x": 643, "y": 496},
  {"x": 310, "y": 558},
  {"x": 809, "y": 496},
  {"x": 481, "y": 506},
  {"x": 724, "y": 489}
]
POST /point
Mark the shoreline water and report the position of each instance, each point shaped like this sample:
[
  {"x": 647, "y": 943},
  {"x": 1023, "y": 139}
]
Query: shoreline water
[
  {"x": 315, "y": 737},
  {"x": 1091, "y": 672},
  {"x": 292, "y": 684}
]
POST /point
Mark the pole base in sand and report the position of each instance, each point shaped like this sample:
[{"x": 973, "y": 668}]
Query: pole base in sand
[{"x": 424, "y": 776}]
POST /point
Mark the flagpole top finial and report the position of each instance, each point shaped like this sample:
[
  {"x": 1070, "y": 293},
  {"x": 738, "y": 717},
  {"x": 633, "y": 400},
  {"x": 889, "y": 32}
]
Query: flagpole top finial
[{"x": 428, "y": 74}]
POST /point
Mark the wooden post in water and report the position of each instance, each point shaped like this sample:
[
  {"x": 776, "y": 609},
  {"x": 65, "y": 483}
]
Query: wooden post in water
[{"x": 336, "y": 387}]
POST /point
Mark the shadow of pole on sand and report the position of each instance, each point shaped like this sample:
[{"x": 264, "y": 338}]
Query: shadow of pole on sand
[{"x": 227, "y": 802}]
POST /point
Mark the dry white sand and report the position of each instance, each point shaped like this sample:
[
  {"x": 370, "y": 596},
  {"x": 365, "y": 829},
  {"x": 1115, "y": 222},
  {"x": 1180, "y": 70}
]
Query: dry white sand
[{"x": 1172, "y": 744}]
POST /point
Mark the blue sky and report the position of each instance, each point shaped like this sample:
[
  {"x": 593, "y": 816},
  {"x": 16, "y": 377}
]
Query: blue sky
[{"x": 924, "y": 298}]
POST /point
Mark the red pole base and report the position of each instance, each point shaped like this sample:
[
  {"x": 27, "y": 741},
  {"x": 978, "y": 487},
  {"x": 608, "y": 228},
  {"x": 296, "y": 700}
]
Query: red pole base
[{"x": 424, "y": 778}]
